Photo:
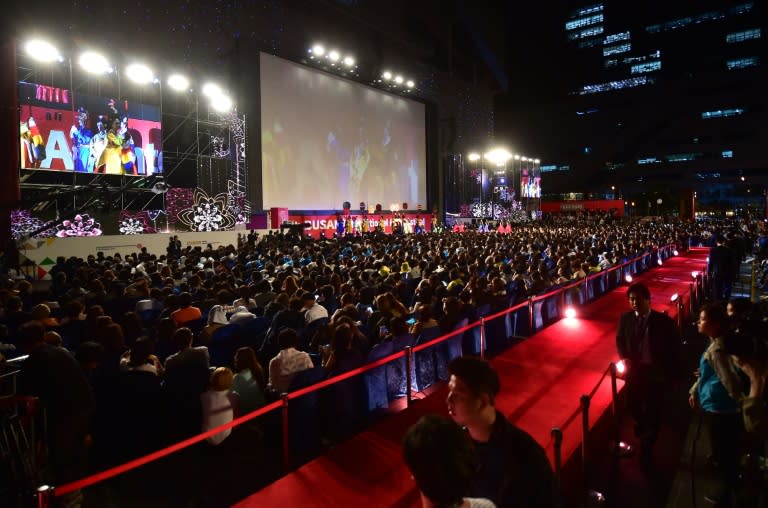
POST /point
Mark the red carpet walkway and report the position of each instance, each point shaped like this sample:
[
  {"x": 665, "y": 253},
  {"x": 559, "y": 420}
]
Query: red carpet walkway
[{"x": 542, "y": 379}]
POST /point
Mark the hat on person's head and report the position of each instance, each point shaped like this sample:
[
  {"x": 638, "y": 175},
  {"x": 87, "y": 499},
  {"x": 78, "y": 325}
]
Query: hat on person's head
[
  {"x": 405, "y": 267},
  {"x": 217, "y": 316}
]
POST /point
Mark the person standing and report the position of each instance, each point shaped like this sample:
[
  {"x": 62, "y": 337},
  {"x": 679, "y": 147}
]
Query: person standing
[
  {"x": 648, "y": 343},
  {"x": 723, "y": 267},
  {"x": 513, "y": 470}
]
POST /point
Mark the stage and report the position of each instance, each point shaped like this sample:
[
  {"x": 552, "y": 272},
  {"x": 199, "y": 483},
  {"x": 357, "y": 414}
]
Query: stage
[{"x": 542, "y": 380}]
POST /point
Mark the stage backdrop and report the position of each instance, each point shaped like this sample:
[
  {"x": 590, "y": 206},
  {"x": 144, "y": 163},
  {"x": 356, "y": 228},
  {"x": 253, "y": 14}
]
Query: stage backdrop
[
  {"x": 326, "y": 140},
  {"x": 326, "y": 223}
]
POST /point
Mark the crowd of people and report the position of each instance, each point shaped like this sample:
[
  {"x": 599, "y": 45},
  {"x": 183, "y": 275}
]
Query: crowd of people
[{"x": 148, "y": 349}]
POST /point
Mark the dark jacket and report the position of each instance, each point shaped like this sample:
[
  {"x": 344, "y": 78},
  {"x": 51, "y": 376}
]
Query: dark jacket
[{"x": 664, "y": 342}]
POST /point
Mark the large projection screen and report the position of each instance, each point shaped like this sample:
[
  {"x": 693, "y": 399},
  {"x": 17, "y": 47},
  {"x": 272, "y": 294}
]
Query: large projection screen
[{"x": 326, "y": 140}]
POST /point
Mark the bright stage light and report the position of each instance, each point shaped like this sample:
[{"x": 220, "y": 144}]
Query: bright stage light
[
  {"x": 386, "y": 75},
  {"x": 212, "y": 90},
  {"x": 675, "y": 253},
  {"x": 349, "y": 61},
  {"x": 178, "y": 82},
  {"x": 221, "y": 103},
  {"x": 523, "y": 159},
  {"x": 409, "y": 83},
  {"x": 570, "y": 313},
  {"x": 517, "y": 157},
  {"x": 94, "y": 63},
  {"x": 536, "y": 161},
  {"x": 498, "y": 156},
  {"x": 660, "y": 262},
  {"x": 621, "y": 367},
  {"x": 674, "y": 298},
  {"x": 42, "y": 51},
  {"x": 473, "y": 157},
  {"x": 334, "y": 56},
  {"x": 399, "y": 80},
  {"x": 628, "y": 278},
  {"x": 139, "y": 73},
  {"x": 318, "y": 50},
  {"x": 695, "y": 274}
]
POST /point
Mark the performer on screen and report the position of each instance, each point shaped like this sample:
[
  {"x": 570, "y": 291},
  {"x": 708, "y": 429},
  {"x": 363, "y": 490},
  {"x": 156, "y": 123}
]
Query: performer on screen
[
  {"x": 32, "y": 146},
  {"x": 127, "y": 154},
  {"x": 339, "y": 226},
  {"x": 110, "y": 161},
  {"x": 81, "y": 136},
  {"x": 98, "y": 144}
]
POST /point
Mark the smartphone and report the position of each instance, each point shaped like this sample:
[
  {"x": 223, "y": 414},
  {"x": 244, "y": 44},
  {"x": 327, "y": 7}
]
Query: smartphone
[{"x": 411, "y": 321}]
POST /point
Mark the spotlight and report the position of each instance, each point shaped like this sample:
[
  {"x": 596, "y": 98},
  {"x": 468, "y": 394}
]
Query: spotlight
[
  {"x": 660, "y": 262},
  {"x": 517, "y": 157},
  {"x": 334, "y": 56},
  {"x": 570, "y": 313},
  {"x": 139, "y": 73},
  {"x": 628, "y": 278},
  {"x": 94, "y": 63},
  {"x": 621, "y": 367},
  {"x": 399, "y": 80},
  {"x": 178, "y": 82},
  {"x": 318, "y": 50},
  {"x": 523, "y": 159},
  {"x": 536, "y": 161},
  {"x": 211, "y": 90},
  {"x": 473, "y": 157},
  {"x": 221, "y": 103},
  {"x": 673, "y": 298},
  {"x": 410, "y": 83},
  {"x": 675, "y": 253},
  {"x": 42, "y": 51},
  {"x": 695, "y": 274},
  {"x": 349, "y": 61},
  {"x": 387, "y": 75}
]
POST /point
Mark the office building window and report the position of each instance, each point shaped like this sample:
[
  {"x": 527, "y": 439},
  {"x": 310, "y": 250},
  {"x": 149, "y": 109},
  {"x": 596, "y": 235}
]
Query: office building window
[
  {"x": 589, "y": 43},
  {"x": 584, "y": 11},
  {"x": 634, "y": 59},
  {"x": 722, "y": 113},
  {"x": 641, "y": 68},
  {"x": 588, "y": 32},
  {"x": 744, "y": 35},
  {"x": 618, "y": 48},
  {"x": 648, "y": 160},
  {"x": 611, "y": 62},
  {"x": 582, "y": 22},
  {"x": 615, "y": 85},
  {"x": 610, "y": 39},
  {"x": 700, "y": 18},
  {"x": 742, "y": 63},
  {"x": 683, "y": 157},
  {"x": 727, "y": 154}
]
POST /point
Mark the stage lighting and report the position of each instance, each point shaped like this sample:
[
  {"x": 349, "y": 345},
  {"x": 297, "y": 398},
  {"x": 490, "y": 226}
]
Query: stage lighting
[
  {"x": 673, "y": 298},
  {"x": 660, "y": 262},
  {"x": 42, "y": 51},
  {"x": 334, "y": 56},
  {"x": 695, "y": 274},
  {"x": 178, "y": 82},
  {"x": 409, "y": 83},
  {"x": 318, "y": 50},
  {"x": 523, "y": 159},
  {"x": 536, "y": 161},
  {"x": 498, "y": 156},
  {"x": 349, "y": 61},
  {"x": 386, "y": 75},
  {"x": 675, "y": 253},
  {"x": 628, "y": 278},
  {"x": 94, "y": 63},
  {"x": 221, "y": 103},
  {"x": 399, "y": 80},
  {"x": 212, "y": 90},
  {"x": 570, "y": 313},
  {"x": 517, "y": 157},
  {"x": 139, "y": 73},
  {"x": 473, "y": 157},
  {"x": 621, "y": 367}
]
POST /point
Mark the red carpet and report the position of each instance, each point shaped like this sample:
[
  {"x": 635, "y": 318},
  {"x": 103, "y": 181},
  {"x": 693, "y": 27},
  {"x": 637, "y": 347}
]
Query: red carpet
[{"x": 542, "y": 380}]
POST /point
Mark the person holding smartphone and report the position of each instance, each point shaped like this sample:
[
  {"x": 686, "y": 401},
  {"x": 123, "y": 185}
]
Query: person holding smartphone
[{"x": 423, "y": 320}]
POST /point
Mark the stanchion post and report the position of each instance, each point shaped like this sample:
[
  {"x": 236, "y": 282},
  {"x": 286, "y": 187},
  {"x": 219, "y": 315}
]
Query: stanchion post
[
  {"x": 584, "y": 400},
  {"x": 557, "y": 436},
  {"x": 45, "y": 496},
  {"x": 286, "y": 435},
  {"x": 753, "y": 296},
  {"x": 531, "y": 319},
  {"x": 482, "y": 337},
  {"x": 408, "y": 377}
]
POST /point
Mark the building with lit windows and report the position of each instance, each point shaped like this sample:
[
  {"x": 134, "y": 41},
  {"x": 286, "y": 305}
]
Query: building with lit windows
[{"x": 654, "y": 99}]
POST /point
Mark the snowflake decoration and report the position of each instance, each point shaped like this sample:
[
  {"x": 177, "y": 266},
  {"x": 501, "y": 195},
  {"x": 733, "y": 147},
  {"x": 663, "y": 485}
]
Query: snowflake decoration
[
  {"x": 208, "y": 213},
  {"x": 81, "y": 225},
  {"x": 23, "y": 223},
  {"x": 237, "y": 205},
  {"x": 131, "y": 226}
]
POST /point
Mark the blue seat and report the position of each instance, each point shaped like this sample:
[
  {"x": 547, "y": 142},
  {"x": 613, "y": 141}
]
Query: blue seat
[
  {"x": 224, "y": 342},
  {"x": 448, "y": 350},
  {"x": 426, "y": 375},
  {"x": 396, "y": 373},
  {"x": 376, "y": 379}
]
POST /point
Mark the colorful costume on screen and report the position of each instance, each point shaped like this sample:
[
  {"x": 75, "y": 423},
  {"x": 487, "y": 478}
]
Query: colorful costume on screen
[
  {"x": 32, "y": 146},
  {"x": 110, "y": 161},
  {"x": 81, "y": 136}
]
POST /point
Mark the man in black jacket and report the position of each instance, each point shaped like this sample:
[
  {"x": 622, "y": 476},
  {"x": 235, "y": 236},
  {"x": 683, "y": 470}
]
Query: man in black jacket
[
  {"x": 723, "y": 267},
  {"x": 513, "y": 468},
  {"x": 648, "y": 342}
]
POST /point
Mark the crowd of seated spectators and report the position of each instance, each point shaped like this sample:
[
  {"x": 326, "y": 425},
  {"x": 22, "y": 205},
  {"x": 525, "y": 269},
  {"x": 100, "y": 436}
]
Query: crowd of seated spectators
[{"x": 166, "y": 340}]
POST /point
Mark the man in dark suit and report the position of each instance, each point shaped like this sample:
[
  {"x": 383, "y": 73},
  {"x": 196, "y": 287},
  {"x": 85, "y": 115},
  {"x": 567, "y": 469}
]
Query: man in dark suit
[
  {"x": 723, "y": 267},
  {"x": 648, "y": 342}
]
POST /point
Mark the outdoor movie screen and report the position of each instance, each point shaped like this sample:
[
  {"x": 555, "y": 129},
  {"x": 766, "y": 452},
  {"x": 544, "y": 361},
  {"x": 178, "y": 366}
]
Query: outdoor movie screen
[
  {"x": 326, "y": 140},
  {"x": 65, "y": 131},
  {"x": 530, "y": 183}
]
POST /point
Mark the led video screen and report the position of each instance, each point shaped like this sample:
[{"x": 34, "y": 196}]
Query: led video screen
[
  {"x": 530, "y": 183},
  {"x": 64, "y": 131},
  {"x": 326, "y": 140}
]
